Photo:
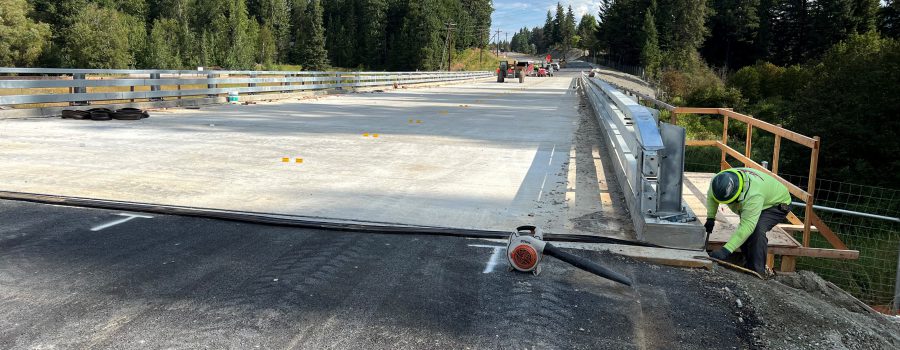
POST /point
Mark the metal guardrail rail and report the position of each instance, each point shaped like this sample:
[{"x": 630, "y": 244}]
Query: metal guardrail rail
[
  {"x": 156, "y": 85},
  {"x": 648, "y": 157}
]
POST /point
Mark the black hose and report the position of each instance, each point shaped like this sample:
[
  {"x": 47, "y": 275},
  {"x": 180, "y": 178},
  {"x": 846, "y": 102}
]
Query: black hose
[
  {"x": 296, "y": 221},
  {"x": 586, "y": 265}
]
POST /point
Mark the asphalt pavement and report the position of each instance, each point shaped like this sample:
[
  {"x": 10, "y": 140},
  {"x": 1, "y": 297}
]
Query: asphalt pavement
[{"x": 88, "y": 278}]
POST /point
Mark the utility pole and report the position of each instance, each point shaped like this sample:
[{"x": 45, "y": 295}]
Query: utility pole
[
  {"x": 447, "y": 49},
  {"x": 498, "y": 42},
  {"x": 507, "y": 41}
]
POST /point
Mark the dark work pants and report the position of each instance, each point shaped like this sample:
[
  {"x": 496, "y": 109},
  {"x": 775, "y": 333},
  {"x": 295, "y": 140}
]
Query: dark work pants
[{"x": 756, "y": 246}]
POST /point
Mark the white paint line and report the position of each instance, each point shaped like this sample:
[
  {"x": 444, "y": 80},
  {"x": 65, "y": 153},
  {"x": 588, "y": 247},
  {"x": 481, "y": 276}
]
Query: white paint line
[
  {"x": 127, "y": 217},
  {"x": 495, "y": 256},
  {"x": 552, "y": 152},
  {"x": 541, "y": 192}
]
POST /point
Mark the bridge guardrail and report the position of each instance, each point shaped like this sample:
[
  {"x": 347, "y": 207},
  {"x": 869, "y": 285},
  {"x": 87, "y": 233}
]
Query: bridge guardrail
[
  {"x": 811, "y": 221},
  {"x": 28, "y": 86},
  {"x": 648, "y": 157}
]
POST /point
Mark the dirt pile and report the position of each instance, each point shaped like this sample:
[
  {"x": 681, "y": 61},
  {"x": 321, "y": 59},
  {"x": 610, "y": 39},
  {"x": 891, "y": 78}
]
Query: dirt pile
[{"x": 803, "y": 311}]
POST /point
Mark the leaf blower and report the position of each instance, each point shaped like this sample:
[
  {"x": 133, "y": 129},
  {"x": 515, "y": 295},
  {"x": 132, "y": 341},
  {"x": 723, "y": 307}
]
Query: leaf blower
[{"x": 526, "y": 249}]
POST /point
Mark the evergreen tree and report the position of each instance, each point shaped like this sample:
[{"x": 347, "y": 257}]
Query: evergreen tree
[
  {"x": 650, "y": 54},
  {"x": 889, "y": 19},
  {"x": 240, "y": 41},
  {"x": 311, "y": 40},
  {"x": 275, "y": 16},
  {"x": 550, "y": 31},
  {"x": 266, "y": 46},
  {"x": 374, "y": 33},
  {"x": 163, "y": 50},
  {"x": 21, "y": 39},
  {"x": 103, "y": 38},
  {"x": 567, "y": 32},
  {"x": 733, "y": 25},
  {"x": 558, "y": 22},
  {"x": 587, "y": 31}
]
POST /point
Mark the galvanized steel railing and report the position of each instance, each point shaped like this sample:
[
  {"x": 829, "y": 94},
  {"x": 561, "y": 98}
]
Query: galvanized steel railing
[
  {"x": 23, "y": 86},
  {"x": 648, "y": 157}
]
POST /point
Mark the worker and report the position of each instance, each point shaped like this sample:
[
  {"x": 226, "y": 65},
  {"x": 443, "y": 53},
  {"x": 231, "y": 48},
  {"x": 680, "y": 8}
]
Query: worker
[{"x": 759, "y": 199}]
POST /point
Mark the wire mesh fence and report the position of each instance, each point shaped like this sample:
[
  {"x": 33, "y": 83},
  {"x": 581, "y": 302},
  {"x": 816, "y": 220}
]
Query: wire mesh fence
[
  {"x": 873, "y": 277},
  {"x": 610, "y": 62}
]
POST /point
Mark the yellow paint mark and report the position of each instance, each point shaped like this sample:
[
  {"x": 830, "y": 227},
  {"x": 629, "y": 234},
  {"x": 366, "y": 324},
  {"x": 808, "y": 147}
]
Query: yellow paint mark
[
  {"x": 285, "y": 160},
  {"x": 366, "y": 135},
  {"x": 443, "y": 112},
  {"x": 418, "y": 121},
  {"x": 374, "y": 135},
  {"x": 410, "y": 121},
  {"x": 298, "y": 160}
]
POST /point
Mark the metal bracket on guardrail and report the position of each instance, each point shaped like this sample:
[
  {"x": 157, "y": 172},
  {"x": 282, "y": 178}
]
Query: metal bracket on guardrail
[
  {"x": 155, "y": 87},
  {"x": 648, "y": 156},
  {"x": 79, "y": 90},
  {"x": 211, "y": 76}
]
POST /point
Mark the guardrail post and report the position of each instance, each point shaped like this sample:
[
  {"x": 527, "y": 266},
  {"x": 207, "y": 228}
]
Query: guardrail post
[
  {"x": 154, "y": 86},
  {"x": 79, "y": 90},
  {"x": 252, "y": 84},
  {"x": 210, "y": 76},
  {"x": 338, "y": 81}
]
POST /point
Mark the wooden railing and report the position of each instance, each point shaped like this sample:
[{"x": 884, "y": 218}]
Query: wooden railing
[{"x": 811, "y": 222}]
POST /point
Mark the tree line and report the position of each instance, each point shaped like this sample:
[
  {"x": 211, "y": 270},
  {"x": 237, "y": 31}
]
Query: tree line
[
  {"x": 820, "y": 67},
  {"x": 559, "y": 33},
  {"x": 239, "y": 34}
]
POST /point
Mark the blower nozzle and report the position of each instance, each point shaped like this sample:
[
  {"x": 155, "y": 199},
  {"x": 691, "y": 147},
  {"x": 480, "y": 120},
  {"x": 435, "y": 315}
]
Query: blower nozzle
[{"x": 526, "y": 249}]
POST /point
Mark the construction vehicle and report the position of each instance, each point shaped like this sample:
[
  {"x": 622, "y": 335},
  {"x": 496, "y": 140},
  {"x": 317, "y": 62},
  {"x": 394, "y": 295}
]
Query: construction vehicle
[{"x": 518, "y": 69}]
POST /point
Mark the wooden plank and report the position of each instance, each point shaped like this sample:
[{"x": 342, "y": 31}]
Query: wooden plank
[
  {"x": 788, "y": 263},
  {"x": 724, "y": 141},
  {"x": 826, "y": 231},
  {"x": 811, "y": 189},
  {"x": 770, "y": 260},
  {"x": 776, "y": 153},
  {"x": 796, "y": 228},
  {"x": 662, "y": 256},
  {"x": 748, "y": 144},
  {"x": 845, "y": 254},
  {"x": 794, "y": 219},
  {"x": 772, "y": 128},
  {"x": 696, "y": 110},
  {"x": 701, "y": 143},
  {"x": 796, "y": 191}
]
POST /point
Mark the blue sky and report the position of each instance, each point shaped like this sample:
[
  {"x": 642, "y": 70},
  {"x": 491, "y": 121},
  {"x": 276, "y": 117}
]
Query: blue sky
[{"x": 512, "y": 15}]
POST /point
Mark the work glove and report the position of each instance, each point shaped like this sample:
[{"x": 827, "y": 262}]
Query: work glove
[
  {"x": 710, "y": 223},
  {"x": 721, "y": 253}
]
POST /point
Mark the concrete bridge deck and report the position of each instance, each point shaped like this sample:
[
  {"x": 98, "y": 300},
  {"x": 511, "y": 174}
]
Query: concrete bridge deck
[{"x": 475, "y": 155}]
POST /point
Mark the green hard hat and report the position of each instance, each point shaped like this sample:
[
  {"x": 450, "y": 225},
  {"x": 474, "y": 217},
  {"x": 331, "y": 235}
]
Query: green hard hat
[{"x": 727, "y": 185}]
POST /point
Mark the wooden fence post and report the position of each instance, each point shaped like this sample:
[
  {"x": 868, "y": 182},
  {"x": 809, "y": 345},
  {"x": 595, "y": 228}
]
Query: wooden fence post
[
  {"x": 811, "y": 188},
  {"x": 724, "y": 141}
]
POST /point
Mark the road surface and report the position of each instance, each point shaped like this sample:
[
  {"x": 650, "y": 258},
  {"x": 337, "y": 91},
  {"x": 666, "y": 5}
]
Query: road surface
[
  {"x": 87, "y": 278},
  {"x": 475, "y": 155}
]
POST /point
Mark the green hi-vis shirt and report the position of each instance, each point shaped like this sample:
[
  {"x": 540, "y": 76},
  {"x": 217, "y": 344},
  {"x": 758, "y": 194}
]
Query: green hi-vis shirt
[{"x": 761, "y": 191}]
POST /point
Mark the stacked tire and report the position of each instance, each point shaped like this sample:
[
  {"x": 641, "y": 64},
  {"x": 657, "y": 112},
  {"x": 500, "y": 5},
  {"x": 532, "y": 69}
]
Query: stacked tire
[
  {"x": 80, "y": 115},
  {"x": 130, "y": 114},
  {"x": 103, "y": 114}
]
